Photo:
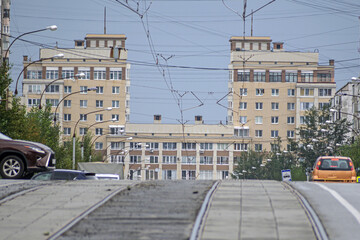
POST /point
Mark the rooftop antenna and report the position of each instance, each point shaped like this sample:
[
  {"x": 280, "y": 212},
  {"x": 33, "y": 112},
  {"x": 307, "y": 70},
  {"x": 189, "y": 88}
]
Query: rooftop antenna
[{"x": 104, "y": 20}]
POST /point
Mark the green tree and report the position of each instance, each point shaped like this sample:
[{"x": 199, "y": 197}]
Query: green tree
[
  {"x": 352, "y": 151},
  {"x": 248, "y": 165}
]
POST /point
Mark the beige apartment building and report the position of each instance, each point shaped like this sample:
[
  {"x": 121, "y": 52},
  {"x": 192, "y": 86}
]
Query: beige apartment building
[
  {"x": 272, "y": 88},
  {"x": 269, "y": 91}
]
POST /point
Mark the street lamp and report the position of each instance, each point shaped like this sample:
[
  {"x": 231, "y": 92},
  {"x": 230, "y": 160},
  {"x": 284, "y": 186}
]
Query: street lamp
[
  {"x": 89, "y": 89},
  {"x": 51, "y": 28},
  {"x": 74, "y": 135},
  {"x": 60, "y": 55},
  {"x": 79, "y": 75}
]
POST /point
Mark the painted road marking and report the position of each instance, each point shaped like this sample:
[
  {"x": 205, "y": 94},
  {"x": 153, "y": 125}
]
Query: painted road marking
[{"x": 343, "y": 201}]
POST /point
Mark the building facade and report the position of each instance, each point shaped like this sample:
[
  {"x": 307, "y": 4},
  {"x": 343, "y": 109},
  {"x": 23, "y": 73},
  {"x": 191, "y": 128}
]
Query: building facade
[
  {"x": 270, "y": 89},
  {"x": 5, "y": 27},
  {"x": 87, "y": 86}
]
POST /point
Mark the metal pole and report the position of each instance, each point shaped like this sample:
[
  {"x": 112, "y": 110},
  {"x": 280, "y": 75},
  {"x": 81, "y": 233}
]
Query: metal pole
[{"x": 73, "y": 163}]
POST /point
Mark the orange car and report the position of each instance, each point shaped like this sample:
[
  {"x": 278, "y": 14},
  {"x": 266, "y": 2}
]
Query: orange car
[{"x": 336, "y": 169}]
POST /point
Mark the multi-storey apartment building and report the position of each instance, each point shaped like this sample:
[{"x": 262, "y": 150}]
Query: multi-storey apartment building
[
  {"x": 87, "y": 85},
  {"x": 5, "y": 27},
  {"x": 272, "y": 88}
]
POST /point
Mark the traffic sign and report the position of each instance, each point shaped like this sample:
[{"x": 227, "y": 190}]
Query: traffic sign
[{"x": 286, "y": 175}]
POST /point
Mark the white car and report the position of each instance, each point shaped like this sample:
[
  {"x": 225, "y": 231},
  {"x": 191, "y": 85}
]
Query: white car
[{"x": 105, "y": 176}]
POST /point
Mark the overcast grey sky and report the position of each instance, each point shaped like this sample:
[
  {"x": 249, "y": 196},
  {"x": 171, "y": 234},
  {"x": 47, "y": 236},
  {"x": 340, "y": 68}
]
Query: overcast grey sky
[{"x": 192, "y": 34}]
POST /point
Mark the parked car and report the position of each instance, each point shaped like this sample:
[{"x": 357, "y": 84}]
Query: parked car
[
  {"x": 19, "y": 158},
  {"x": 339, "y": 169},
  {"x": 103, "y": 176},
  {"x": 64, "y": 174}
]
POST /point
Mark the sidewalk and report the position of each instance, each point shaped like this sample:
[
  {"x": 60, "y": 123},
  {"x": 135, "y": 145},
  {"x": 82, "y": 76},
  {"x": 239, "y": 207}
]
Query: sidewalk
[{"x": 253, "y": 209}]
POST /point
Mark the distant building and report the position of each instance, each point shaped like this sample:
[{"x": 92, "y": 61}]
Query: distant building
[
  {"x": 5, "y": 27},
  {"x": 345, "y": 105}
]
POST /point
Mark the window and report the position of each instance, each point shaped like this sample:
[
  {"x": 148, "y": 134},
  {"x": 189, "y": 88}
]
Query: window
[
  {"x": 86, "y": 72},
  {"x": 222, "y": 174},
  {"x": 67, "y": 117},
  {"x": 222, "y": 146},
  {"x": 240, "y": 147},
  {"x": 152, "y": 145},
  {"x": 242, "y": 132},
  {"x": 169, "y": 146},
  {"x": 135, "y": 145},
  {"x": 99, "y": 90},
  {"x": 258, "y": 120},
  {"x": 83, "y": 89},
  {"x": 291, "y": 77},
  {"x": 258, "y": 133},
  {"x": 34, "y": 89},
  {"x": 324, "y": 92},
  {"x": 67, "y": 89},
  {"x": 303, "y": 119},
  {"x": 152, "y": 159},
  {"x": 33, "y": 102},
  {"x": 52, "y": 102},
  {"x": 98, "y": 131},
  {"x": 259, "y": 106},
  {"x": 290, "y": 120},
  {"x": 260, "y": 91},
  {"x": 206, "y": 160},
  {"x": 243, "y": 76},
  {"x": 83, "y": 103},
  {"x": 67, "y": 131},
  {"x": 275, "y": 120},
  {"x": 83, "y": 117},
  {"x": 206, "y": 146},
  {"x": 115, "y": 104},
  {"x": 115, "y": 90},
  {"x": 117, "y": 158},
  {"x": 275, "y": 106},
  {"x": 66, "y": 74},
  {"x": 115, "y": 75},
  {"x": 117, "y": 130},
  {"x": 290, "y": 134},
  {"x": 189, "y": 146},
  {"x": 188, "y": 175},
  {"x": 291, "y": 92},
  {"x": 188, "y": 160},
  {"x": 307, "y": 77},
  {"x": 243, "y": 105},
  {"x": 222, "y": 160},
  {"x": 274, "y": 147},
  {"x": 83, "y": 131},
  {"x": 274, "y": 92},
  {"x": 274, "y": 76},
  {"x": 115, "y": 117},
  {"x": 117, "y": 145},
  {"x": 290, "y": 106},
  {"x": 305, "y": 92},
  {"x": 206, "y": 175},
  {"x": 67, "y": 103},
  {"x": 259, "y": 76},
  {"x": 243, "y": 119},
  {"x": 169, "y": 175},
  {"x": 53, "y": 89},
  {"x": 99, "y": 145},
  {"x": 323, "y": 105},
  {"x": 306, "y": 105},
  {"x": 324, "y": 77},
  {"x": 274, "y": 133},
  {"x": 99, "y": 103},
  {"x": 34, "y": 74},
  {"x": 99, "y": 117},
  {"x": 52, "y": 74},
  {"x": 135, "y": 159},
  {"x": 169, "y": 159},
  {"x": 6, "y": 13},
  {"x": 258, "y": 147},
  {"x": 99, "y": 75},
  {"x": 243, "y": 92}
]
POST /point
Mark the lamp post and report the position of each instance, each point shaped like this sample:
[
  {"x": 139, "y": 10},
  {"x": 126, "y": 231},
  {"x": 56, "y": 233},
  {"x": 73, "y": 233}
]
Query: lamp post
[
  {"x": 74, "y": 135},
  {"x": 51, "y": 28},
  {"x": 79, "y": 75},
  {"x": 89, "y": 89},
  {"x": 60, "y": 55},
  {"x": 82, "y": 140}
]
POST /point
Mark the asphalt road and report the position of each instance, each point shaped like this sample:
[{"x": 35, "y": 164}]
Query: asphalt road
[{"x": 336, "y": 204}]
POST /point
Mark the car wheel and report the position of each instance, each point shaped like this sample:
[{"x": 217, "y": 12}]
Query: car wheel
[{"x": 11, "y": 167}]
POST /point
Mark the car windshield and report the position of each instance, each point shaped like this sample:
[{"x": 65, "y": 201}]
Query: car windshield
[
  {"x": 335, "y": 164},
  {"x": 4, "y": 137}
]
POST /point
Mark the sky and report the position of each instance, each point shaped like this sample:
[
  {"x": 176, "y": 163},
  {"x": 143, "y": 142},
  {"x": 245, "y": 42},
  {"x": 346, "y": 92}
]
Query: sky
[{"x": 189, "y": 41}]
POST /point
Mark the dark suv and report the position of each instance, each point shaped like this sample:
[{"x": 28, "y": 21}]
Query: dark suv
[{"x": 19, "y": 159}]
